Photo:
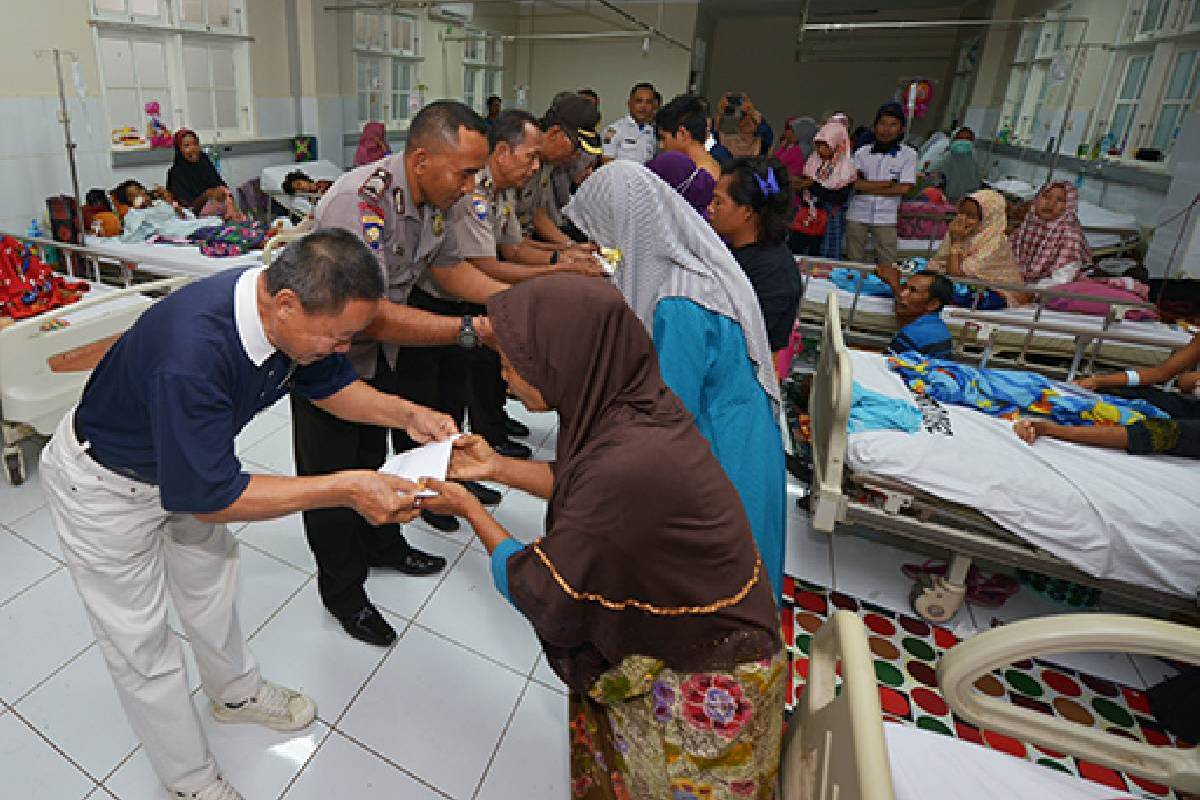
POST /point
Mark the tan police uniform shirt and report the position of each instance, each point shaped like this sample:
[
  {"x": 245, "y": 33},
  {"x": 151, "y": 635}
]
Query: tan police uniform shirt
[
  {"x": 374, "y": 203},
  {"x": 550, "y": 188},
  {"x": 485, "y": 219}
]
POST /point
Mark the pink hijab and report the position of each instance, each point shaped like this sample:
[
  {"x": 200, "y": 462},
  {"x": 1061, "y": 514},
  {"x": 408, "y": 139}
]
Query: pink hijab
[
  {"x": 372, "y": 144},
  {"x": 839, "y": 171}
]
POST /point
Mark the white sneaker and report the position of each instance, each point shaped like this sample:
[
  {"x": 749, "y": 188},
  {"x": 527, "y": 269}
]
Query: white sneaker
[
  {"x": 276, "y": 707},
  {"x": 220, "y": 789}
]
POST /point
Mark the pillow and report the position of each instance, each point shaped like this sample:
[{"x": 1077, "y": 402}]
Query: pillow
[{"x": 1098, "y": 289}]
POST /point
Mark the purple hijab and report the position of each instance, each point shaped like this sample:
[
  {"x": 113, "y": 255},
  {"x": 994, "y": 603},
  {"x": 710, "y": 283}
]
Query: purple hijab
[{"x": 682, "y": 175}]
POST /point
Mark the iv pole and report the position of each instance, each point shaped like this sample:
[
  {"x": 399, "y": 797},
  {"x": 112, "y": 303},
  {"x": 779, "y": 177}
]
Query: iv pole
[{"x": 65, "y": 119}]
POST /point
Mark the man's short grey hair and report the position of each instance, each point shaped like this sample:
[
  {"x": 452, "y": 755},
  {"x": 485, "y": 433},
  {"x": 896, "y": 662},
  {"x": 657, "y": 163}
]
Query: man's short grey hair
[{"x": 327, "y": 269}]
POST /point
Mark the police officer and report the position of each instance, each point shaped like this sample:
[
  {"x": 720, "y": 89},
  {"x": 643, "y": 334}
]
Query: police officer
[
  {"x": 142, "y": 476},
  {"x": 632, "y": 137},
  {"x": 397, "y": 206},
  {"x": 569, "y": 128}
]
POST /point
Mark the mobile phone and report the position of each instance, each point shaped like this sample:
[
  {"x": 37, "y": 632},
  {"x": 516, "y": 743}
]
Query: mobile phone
[{"x": 735, "y": 100}]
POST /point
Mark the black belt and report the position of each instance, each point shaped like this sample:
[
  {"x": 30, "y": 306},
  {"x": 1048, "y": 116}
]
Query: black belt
[{"x": 124, "y": 472}]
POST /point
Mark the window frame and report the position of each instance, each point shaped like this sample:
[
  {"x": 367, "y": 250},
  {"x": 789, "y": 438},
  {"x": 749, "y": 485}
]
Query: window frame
[
  {"x": 1107, "y": 126},
  {"x": 1191, "y": 88},
  {"x": 483, "y": 72},
  {"x": 394, "y": 102}
]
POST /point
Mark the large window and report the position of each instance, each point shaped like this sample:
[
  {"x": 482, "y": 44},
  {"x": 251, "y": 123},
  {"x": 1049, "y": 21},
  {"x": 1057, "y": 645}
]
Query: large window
[
  {"x": 387, "y": 58},
  {"x": 1129, "y": 97},
  {"x": 483, "y": 68},
  {"x": 1154, "y": 14},
  {"x": 189, "y": 56},
  {"x": 1181, "y": 89}
]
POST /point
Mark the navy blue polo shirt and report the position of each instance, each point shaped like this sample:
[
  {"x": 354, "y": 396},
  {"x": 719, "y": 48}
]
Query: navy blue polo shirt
[{"x": 166, "y": 402}]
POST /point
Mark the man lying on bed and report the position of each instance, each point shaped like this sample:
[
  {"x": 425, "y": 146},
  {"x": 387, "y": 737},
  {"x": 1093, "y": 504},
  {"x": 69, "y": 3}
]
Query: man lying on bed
[
  {"x": 1177, "y": 436},
  {"x": 919, "y": 303}
]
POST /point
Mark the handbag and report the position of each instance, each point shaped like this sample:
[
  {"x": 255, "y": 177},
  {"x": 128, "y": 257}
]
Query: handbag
[{"x": 810, "y": 220}]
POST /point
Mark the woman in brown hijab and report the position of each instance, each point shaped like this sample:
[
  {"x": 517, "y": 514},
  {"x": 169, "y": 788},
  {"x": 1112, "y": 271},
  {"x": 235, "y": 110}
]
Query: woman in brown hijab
[{"x": 647, "y": 591}]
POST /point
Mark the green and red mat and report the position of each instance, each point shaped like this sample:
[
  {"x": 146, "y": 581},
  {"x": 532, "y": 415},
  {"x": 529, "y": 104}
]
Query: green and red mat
[{"x": 906, "y": 650}]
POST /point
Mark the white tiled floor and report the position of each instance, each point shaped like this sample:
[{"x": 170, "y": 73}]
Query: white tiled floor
[{"x": 462, "y": 707}]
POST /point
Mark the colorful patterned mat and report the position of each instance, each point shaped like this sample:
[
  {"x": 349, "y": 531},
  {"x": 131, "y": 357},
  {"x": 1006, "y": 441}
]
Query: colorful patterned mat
[{"x": 906, "y": 651}]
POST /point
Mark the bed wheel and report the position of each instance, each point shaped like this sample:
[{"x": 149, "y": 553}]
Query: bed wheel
[
  {"x": 14, "y": 467},
  {"x": 937, "y": 600}
]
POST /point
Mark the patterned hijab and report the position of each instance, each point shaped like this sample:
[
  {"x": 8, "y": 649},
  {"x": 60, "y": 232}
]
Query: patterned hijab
[
  {"x": 838, "y": 172},
  {"x": 667, "y": 250},
  {"x": 634, "y": 561},
  {"x": 372, "y": 144},
  {"x": 986, "y": 254},
  {"x": 1041, "y": 247}
]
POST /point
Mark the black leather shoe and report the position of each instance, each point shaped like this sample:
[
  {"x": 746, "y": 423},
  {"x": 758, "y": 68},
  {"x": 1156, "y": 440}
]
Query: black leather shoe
[
  {"x": 442, "y": 522},
  {"x": 418, "y": 562},
  {"x": 510, "y": 449},
  {"x": 514, "y": 428},
  {"x": 368, "y": 625},
  {"x": 484, "y": 494}
]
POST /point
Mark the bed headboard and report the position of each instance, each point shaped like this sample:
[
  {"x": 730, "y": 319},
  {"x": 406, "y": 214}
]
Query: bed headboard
[
  {"x": 835, "y": 748},
  {"x": 281, "y": 239},
  {"x": 967, "y": 661},
  {"x": 829, "y": 410}
]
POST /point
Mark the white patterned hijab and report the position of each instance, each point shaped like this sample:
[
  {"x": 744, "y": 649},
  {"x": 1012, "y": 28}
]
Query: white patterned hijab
[{"x": 668, "y": 250}]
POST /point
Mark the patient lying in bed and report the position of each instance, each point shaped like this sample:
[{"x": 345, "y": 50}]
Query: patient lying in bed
[
  {"x": 919, "y": 303},
  {"x": 150, "y": 214},
  {"x": 1177, "y": 436}
]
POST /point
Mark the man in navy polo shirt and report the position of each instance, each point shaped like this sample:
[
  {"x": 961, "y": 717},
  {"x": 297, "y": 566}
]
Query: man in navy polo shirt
[{"x": 142, "y": 476}]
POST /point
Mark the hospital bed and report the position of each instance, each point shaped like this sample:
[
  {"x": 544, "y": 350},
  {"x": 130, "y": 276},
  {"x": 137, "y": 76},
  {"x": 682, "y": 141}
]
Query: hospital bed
[
  {"x": 966, "y": 484},
  {"x": 1007, "y": 336},
  {"x": 46, "y": 360},
  {"x": 300, "y": 205},
  {"x": 162, "y": 259},
  {"x": 838, "y": 747},
  {"x": 1108, "y": 232}
]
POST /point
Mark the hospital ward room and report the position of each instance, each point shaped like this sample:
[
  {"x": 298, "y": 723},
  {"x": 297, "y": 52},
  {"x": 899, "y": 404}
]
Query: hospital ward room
[{"x": 600, "y": 400}]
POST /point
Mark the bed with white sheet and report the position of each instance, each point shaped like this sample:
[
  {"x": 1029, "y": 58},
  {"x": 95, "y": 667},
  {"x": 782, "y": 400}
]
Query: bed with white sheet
[
  {"x": 1127, "y": 524},
  {"x": 170, "y": 260},
  {"x": 1004, "y": 333},
  {"x": 39, "y": 374},
  {"x": 838, "y": 747},
  {"x": 271, "y": 183}
]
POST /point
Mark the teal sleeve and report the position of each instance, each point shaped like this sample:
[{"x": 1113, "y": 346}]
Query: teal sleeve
[
  {"x": 683, "y": 336},
  {"x": 500, "y": 558}
]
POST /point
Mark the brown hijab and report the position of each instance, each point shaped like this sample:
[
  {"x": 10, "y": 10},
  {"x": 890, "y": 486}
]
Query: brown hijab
[{"x": 648, "y": 550}]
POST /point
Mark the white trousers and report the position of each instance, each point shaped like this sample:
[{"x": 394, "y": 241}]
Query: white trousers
[{"x": 125, "y": 552}]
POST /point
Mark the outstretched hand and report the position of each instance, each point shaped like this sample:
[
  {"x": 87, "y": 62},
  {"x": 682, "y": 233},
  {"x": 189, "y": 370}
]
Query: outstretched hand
[{"x": 473, "y": 459}]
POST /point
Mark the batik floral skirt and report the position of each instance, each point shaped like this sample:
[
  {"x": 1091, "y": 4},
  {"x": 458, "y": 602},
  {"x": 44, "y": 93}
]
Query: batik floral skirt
[{"x": 646, "y": 732}]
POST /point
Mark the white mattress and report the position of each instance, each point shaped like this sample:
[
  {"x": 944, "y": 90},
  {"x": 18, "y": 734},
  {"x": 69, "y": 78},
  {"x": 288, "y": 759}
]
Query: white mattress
[
  {"x": 817, "y": 289},
  {"x": 169, "y": 259},
  {"x": 931, "y": 766},
  {"x": 1109, "y": 514},
  {"x": 271, "y": 182}
]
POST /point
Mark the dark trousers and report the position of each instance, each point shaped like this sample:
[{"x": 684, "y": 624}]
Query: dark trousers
[
  {"x": 453, "y": 380},
  {"x": 1177, "y": 436},
  {"x": 346, "y": 546}
]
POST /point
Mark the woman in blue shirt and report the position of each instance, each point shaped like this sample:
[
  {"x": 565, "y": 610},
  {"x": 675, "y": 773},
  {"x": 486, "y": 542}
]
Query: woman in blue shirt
[{"x": 690, "y": 292}]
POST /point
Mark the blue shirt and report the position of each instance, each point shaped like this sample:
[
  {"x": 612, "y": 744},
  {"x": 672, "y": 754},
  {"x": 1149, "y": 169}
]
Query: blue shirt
[
  {"x": 926, "y": 334},
  {"x": 166, "y": 402},
  {"x": 703, "y": 359}
]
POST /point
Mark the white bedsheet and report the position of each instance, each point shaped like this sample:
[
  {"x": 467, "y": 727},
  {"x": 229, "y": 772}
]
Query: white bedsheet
[
  {"x": 1112, "y": 515},
  {"x": 817, "y": 289},
  {"x": 169, "y": 259},
  {"x": 271, "y": 182},
  {"x": 931, "y": 766}
]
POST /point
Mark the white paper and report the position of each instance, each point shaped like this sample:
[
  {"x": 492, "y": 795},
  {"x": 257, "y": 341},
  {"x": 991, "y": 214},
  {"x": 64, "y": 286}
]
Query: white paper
[
  {"x": 427, "y": 461},
  {"x": 605, "y": 264}
]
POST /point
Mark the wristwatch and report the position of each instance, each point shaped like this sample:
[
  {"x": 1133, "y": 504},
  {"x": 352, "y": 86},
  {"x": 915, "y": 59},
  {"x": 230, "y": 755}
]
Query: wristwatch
[
  {"x": 468, "y": 337},
  {"x": 553, "y": 257}
]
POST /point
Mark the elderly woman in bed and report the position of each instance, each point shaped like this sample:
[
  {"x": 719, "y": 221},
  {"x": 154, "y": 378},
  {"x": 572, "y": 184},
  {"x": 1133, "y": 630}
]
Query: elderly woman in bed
[{"x": 1177, "y": 436}]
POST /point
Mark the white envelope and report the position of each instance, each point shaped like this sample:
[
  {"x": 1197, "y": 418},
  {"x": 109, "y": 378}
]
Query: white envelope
[{"x": 427, "y": 461}]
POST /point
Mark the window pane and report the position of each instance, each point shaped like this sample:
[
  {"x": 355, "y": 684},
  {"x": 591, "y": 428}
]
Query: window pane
[
  {"x": 1135, "y": 78},
  {"x": 1181, "y": 76},
  {"x": 405, "y": 39},
  {"x": 1151, "y": 15},
  {"x": 1164, "y": 131},
  {"x": 219, "y": 13},
  {"x": 1195, "y": 20},
  {"x": 110, "y": 5},
  {"x": 116, "y": 57},
  {"x": 193, "y": 11},
  {"x": 401, "y": 75},
  {"x": 226, "y": 102},
  {"x": 200, "y": 113},
  {"x": 144, "y": 8},
  {"x": 150, "y": 64},
  {"x": 123, "y": 108},
  {"x": 363, "y": 105},
  {"x": 1122, "y": 117},
  {"x": 222, "y": 67},
  {"x": 195, "y": 66}
]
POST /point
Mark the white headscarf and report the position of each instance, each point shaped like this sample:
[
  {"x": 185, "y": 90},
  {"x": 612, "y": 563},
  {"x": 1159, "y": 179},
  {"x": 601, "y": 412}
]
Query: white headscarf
[{"x": 668, "y": 250}]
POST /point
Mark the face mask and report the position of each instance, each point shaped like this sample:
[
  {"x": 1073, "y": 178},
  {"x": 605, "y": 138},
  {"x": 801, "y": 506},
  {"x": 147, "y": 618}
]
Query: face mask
[{"x": 962, "y": 147}]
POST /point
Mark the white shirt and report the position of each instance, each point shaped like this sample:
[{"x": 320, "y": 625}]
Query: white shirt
[
  {"x": 626, "y": 139},
  {"x": 901, "y": 166}
]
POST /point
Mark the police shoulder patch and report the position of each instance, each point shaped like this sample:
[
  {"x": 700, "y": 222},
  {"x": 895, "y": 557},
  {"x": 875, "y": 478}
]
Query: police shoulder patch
[{"x": 479, "y": 207}]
